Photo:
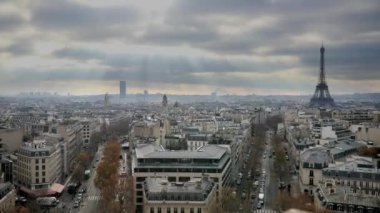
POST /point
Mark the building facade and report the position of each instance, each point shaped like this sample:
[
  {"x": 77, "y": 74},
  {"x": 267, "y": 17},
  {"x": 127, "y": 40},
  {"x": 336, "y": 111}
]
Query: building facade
[
  {"x": 195, "y": 196},
  {"x": 312, "y": 161},
  {"x": 7, "y": 197},
  {"x": 149, "y": 160},
  {"x": 38, "y": 165}
]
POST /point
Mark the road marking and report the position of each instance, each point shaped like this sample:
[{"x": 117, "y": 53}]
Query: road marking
[{"x": 93, "y": 198}]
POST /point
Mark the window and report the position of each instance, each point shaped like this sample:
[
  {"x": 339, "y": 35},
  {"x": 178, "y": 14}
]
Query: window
[
  {"x": 159, "y": 210},
  {"x": 37, "y": 168},
  {"x": 43, "y": 160},
  {"x": 37, "y": 174},
  {"x": 43, "y": 167},
  {"x": 191, "y": 210},
  {"x": 36, "y": 160},
  {"x": 311, "y": 173},
  {"x": 151, "y": 210},
  {"x": 182, "y": 210},
  {"x": 311, "y": 181},
  {"x": 37, "y": 180},
  {"x": 43, "y": 173},
  {"x": 199, "y": 210},
  {"x": 175, "y": 210},
  {"x": 43, "y": 180},
  {"x": 168, "y": 210}
]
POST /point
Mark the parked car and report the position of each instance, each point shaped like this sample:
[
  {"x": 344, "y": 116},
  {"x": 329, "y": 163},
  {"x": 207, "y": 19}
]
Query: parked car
[
  {"x": 258, "y": 206},
  {"x": 76, "y": 204},
  {"x": 47, "y": 201},
  {"x": 243, "y": 195},
  {"x": 281, "y": 185},
  {"x": 253, "y": 195}
]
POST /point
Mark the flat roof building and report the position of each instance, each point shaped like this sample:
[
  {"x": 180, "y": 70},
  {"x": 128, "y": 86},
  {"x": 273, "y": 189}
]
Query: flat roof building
[
  {"x": 195, "y": 196},
  {"x": 150, "y": 160}
]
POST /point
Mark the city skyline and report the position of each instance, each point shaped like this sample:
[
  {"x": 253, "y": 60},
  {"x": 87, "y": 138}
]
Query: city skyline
[{"x": 188, "y": 47}]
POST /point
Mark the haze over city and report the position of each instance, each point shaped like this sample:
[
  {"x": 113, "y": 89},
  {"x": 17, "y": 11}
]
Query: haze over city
[{"x": 84, "y": 47}]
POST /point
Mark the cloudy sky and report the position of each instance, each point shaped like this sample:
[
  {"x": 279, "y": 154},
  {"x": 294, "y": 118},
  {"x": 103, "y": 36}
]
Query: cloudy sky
[{"x": 188, "y": 46}]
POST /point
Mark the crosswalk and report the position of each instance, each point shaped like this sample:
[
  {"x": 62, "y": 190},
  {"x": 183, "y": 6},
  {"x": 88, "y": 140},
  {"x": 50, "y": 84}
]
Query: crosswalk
[
  {"x": 265, "y": 211},
  {"x": 93, "y": 198}
]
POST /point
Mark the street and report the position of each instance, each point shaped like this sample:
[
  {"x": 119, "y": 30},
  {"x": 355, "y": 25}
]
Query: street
[{"x": 92, "y": 197}]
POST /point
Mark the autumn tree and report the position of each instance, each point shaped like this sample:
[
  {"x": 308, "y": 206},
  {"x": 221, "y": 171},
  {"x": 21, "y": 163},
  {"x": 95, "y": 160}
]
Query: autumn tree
[
  {"x": 229, "y": 200},
  {"x": 125, "y": 192},
  {"x": 368, "y": 151},
  {"x": 107, "y": 177}
]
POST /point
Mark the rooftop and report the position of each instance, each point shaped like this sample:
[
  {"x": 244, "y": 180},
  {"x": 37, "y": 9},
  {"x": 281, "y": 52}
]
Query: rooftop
[
  {"x": 154, "y": 152},
  {"x": 314, "y": 155},
  {"x": 157, "y": 189},
  {"x": 344, "y": 194}
]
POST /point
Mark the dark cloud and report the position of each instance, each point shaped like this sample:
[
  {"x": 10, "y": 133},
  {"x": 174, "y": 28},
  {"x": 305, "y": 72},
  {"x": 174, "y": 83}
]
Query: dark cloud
[
  {"x": 81, "y": 21},
  {"x": 10, "y": 22},
  {"x": 268, "y": 30},
  {"x": 348, "y": 61},
  {"x": 78, "y": 54},
  {"x": 177, "y": 64},
  {"x": 19, "y": 48}
]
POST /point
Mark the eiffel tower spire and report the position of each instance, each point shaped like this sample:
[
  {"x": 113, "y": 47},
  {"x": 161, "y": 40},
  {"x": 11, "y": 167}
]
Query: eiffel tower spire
[{"x": 322, "y": 96}]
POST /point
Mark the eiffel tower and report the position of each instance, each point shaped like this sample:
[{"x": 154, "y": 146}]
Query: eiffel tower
[{"x": 322, "y": 96}]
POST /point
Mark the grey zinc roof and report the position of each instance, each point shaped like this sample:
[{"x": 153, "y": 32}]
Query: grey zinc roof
[
  {"x": 206, "y": 152},
  {"x": 156, "y": 185},
  {"x": 316, "y": 155},
  {"x": 159, "y": 189},
  {"x": 343, "y": 195}
]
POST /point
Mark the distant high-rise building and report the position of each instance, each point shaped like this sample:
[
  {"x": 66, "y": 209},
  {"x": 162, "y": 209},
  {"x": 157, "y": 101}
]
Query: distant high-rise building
[
  {"x": 106, "y": 101},
  {"x": 164, "y": 101},
  {"x": 123, "y": 89},
  {"x": 322, "y": 96}
]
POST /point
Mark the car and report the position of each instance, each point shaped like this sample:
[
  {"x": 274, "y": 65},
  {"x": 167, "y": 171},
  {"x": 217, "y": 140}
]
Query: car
[
  {"x": 270, "y": 156},
  {"x": 256, "y": 183},
  {"x": 287, "y": 157},
  {"x": 80, "y": 191},
  {"x": 243, "y": 195},
  {"x": 258, "y": 206},
  {"x": 281, "y": 185},
  {"x": 76, "y": 205},
  {"x": 264, "y": 156},
  {"x": 238, "y": 182},
  {"x": 23, "y": 199},
  {"x": 253, "y": 195}
]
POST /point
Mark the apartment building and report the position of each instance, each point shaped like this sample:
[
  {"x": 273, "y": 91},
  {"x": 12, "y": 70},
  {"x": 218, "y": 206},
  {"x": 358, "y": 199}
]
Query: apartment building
[
  {"x": 7, "y": 197},
  {"x": 312, "y": 161},
  {"x": 89, "y": 127},
  {"x": 147, "y": 129},
  {"x": 358, "y": 172},
  {"x": 38, "y": 165},
  {"x": 197, "y": 140},
  {"x": 72, "y": 135},
  {"x": 180, "y": 166},
  {"x": 195, "y": 196},
  {"x": 10, "y": 139},
  {"x": 368, "y": 132},
  {"x": 354, "y": 116},
  {"x": 336, "y": 198}
]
